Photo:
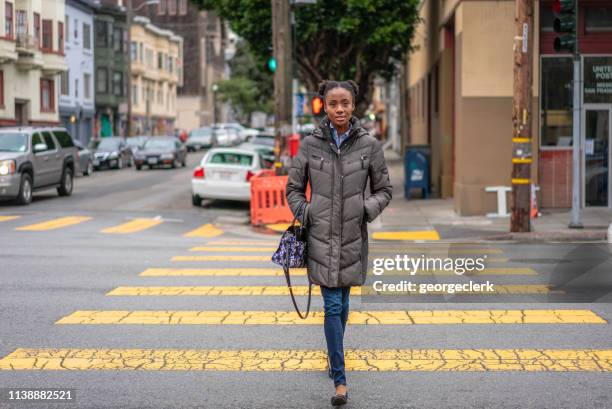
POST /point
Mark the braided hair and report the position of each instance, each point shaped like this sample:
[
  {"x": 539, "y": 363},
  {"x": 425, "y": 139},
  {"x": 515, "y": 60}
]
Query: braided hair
[{"x": 326, "y": 85}]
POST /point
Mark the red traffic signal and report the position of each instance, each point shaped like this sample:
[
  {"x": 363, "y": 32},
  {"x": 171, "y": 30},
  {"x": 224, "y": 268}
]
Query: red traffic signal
[{"x": 316, "y": 103}]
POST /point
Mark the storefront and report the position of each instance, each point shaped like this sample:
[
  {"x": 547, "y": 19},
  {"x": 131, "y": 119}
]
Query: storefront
[{"x": 556, "y": 116}]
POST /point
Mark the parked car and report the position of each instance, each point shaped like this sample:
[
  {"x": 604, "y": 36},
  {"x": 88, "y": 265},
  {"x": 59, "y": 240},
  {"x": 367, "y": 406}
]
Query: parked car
[
  {"x": 161, "y": 151},
  {"x": 32, "y": 159},
  {"x": 267, "y": 139},
  {"x": 200, "y": 138},
  {"x": 224, "y": 173},
  {"x": 223, "y": 137},
  {"x": 136, "y": 142},
  {"x": 266, "y": 152},
  {"x": 112, "y": 152},
  {"x": 85, "y": 159},
  {"x": 244, "y": 134}
]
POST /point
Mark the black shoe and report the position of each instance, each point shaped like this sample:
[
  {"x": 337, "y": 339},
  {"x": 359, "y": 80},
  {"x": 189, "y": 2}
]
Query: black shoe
[{"x": 338, "y": 400}]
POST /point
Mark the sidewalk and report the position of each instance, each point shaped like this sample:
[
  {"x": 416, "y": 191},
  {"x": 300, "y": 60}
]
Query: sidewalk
[{"x": 419, "y": 215}]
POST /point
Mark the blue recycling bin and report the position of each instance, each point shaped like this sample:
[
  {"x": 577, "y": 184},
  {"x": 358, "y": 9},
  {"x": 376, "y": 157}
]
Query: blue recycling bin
[{"x": 416, "y": 169}]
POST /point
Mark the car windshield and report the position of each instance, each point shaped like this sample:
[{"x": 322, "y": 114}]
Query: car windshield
[
  {"x": 108, "y": 144},
  {"x": 159, "y": 144},
  {"x": 135, "y": 141},
  {"x": 13, "y": 142},
  {"x": 263, "y": 140},
  {"x": 200, "y": 132},
  {"x": 230, "y": 158}
]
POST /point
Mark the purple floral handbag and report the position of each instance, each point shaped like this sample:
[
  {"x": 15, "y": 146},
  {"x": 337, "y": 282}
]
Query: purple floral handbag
[{"x": 292, "y": 252}]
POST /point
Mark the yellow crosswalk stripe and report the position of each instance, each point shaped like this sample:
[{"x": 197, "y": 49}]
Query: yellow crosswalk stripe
[
  {"x": 8, "y": 218},
  {"x": 271, "y": 249},
  {"x": 268, "y": 257},
  {"x": 234, "y": 249},
  {"x": 54, "y": 223},
  {"x": 207, "y": 230},
  {"x": 379, "y": 360},
  {"x": 243, "y": 243},
  {"x": 261, "y": 272},
  {"x": 406, "y": 235},
  {"x": 303, "y": 290},
  {"x": 316, "y": 318},
  {"x": 133, "y": 226}
]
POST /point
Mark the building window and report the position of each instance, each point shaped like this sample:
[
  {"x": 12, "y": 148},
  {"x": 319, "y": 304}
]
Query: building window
[
  {"x": 182, "y": 7},
  {"x": 598, "y": 19},
  {"x": 141, "y": 52},
  {"x": 60, "y": 37},
  {"x": 118, "y": 83},
  {"x": 76, "y": 88},
  {"x": 86, "y": 36},
  {"x": 556, "y": 125},
  {"x": 149, "y": 57},
  {"x": 161, "y": 7},
  {"x": 135, "y": 94},
  {"x": 209, "y": 51},
  {"x": 76, "y": 30},
  {"x": 117, "y": 39},
  {"x": 172, "y": 7},
  {"x": 47, "y": 103},
  {"x": 64, "y": 83},
  {"x": 87, "y": 86},
  {"x": 37, "y": 29},
  {"x": 170, "y": 65},
  {"x": 134, "y": 51},
  {"x": 22, "y": 22},
  {"x": 101, "y": 34},
  {"x": 47, "y": 35},
  {"x": 67, "y": 33},
  {"x": 160, "y": 61},
  {"x": 102, "y": 80},
  {"x": 8, "y": 21},
  {"x": 1, "y": 89}
]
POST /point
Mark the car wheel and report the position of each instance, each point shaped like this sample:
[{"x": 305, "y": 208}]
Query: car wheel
[
  {"x": 25, "y": 190},
  {"x": 196, "y": 200},
  {"x": 66, "y": 185},
  {"x": 90, "y": 169},
  {"x": 138, "y": 167},
  {"x": 120, "y": 163}
]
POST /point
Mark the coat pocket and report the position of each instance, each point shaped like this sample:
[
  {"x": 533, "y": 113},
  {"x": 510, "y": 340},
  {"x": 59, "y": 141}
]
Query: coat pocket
[
  {"x": 365, "y": 161},
  {"x": 318, "y": 161}
]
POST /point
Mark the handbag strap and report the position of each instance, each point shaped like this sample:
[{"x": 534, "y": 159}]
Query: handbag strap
[{"x": 288, "y": 277}]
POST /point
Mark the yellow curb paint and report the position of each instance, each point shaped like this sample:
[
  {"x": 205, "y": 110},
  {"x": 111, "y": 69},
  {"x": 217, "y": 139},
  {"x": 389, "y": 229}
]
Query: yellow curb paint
[
  {"x": 54, "y": 223},
  {"x": 242, "y": 243},
  {"x": 260, "y": 272},
  {"x": 268, "y": 258},
  {"x": 427, "y": 317},
  {"x": 132, "y": 226},
  {"x": 522, "y": 160},
  {"x": 248, "y": 360},
  {"x": 194, "y": 272},
  {"x": 207, "y": 230},
  {"x": 521, "y": 140},
  {"x": 278, "y": 227},
  {"x": 8, "y": 218},
  {"x": 234, "y": 249},
  {"x": 303, "y": 290},
  {"x": 519, "y": 181},
  {"x": 406, "y": 235}
]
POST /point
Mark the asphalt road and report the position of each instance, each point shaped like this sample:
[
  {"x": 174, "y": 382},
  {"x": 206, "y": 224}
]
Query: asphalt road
[{"x": 89, "y": 301}]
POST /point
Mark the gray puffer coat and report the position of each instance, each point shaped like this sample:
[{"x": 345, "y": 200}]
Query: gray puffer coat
[{"x": 338, "y": 209}]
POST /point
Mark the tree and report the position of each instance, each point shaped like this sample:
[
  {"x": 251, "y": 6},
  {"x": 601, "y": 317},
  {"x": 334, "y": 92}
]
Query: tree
[
  {"x": 249, "y": 89},
  {"x": 341, "y": 39}
]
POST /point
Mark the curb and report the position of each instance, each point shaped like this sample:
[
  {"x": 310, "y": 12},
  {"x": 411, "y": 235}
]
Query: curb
[{"x": 552, "y": 236}]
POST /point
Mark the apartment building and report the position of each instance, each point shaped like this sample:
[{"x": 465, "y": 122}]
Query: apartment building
[{"x": 32, "y": 55}]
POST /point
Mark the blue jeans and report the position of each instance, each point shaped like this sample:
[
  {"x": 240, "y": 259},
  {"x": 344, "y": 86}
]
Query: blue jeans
[{"x": 336, "y": 307}]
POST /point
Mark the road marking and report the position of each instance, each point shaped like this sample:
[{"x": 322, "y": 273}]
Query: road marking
[
  {"x": 374, "y": 248},
  {"x": 220, "y": 257},
  {"x": 380, "y": 360},
  {"x": 303, "y": 290},
  {"x": 54, "y": 223},
  {"x": 316, "y": 318},
  {"x": 261, "y": 272},
  {"x": 243, "y": 243},
  {"x": 406, "y": 235},
  {"x": 8, "y": 218},
  {"x": 133, "y": 226},
  {"x": 207, "y": 230},
  {"x": 234, "y": 249}
]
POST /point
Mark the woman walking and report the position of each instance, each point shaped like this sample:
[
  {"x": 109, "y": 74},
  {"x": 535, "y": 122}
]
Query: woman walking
[{"x": 337, "y": 159}]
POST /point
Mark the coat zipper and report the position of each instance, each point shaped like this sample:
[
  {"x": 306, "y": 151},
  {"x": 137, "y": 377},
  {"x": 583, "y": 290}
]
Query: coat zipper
[{"x": 331, "y": 225}]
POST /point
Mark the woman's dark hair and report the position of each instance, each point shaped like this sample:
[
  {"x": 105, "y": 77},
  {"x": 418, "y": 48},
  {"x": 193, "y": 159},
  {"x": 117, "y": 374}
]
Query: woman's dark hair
[{"x": 326, "y": 85}]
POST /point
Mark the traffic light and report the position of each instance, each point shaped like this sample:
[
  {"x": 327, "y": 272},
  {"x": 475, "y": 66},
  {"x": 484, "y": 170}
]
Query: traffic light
[
  {"x": 316, "y": 103},
  {"x": 565, "y": 22},
  {"x": 272, "y": 64}
]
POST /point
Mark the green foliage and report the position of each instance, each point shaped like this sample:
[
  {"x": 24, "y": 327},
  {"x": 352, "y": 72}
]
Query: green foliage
[{"x": 341, "y": 39}]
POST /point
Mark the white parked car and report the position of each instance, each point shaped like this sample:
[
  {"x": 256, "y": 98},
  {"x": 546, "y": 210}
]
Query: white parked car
[
  {"x": 224, "y": 137},
  {"x": 224, "y": 173}
]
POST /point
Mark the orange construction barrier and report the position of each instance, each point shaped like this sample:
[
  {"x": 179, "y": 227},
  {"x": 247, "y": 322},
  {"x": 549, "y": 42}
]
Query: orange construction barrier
[{"x": 268, "y": 200}]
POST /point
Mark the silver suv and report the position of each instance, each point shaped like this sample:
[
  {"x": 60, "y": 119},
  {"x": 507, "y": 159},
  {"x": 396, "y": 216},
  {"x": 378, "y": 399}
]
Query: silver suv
[{"x": 33, "y": 158}]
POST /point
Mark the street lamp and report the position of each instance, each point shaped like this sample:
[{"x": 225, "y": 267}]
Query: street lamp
[
  {"x": 215, "y": 88},
  {"x": 129, "y": 18}
]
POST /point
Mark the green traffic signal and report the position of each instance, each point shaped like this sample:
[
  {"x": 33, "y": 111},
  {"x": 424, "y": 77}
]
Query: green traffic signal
[{"x": 272, "y": 64}]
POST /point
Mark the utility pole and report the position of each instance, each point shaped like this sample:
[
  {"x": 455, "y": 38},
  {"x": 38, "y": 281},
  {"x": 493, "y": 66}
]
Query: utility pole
[
  {"x": 129, "y": 19},
  {"x": 521, "y": 118},
  {"x": 281, "y": 43}
]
